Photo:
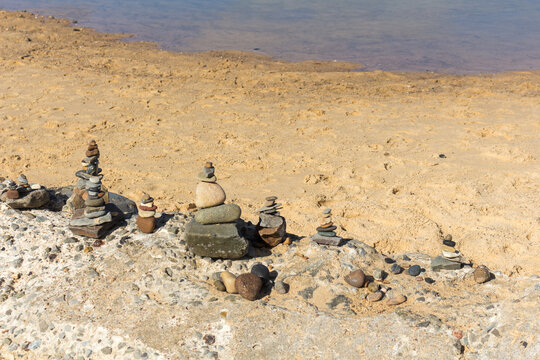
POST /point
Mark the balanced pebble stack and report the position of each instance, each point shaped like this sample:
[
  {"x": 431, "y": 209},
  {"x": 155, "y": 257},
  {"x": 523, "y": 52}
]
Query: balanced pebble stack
[
  {"x": 450, "y": 259},
  {"x": 448, "y": 249},
  {"x": 90, "y": 167},
  {"x": 97, "y": 217},
  {"x": 23, "y": 195},
  {"x": 271, "y": 226},
  {"x": 216, "y": 230},
  {"x": 326, "y": 234},
  {"x": 147, "y": 212}
]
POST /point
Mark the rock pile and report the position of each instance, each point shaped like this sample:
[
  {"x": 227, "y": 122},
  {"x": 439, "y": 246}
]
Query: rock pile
[
  {"x": 97, "y": 217},
  {"x": 147, "y": 212},
  {"x": 90, "y": 167},
  {"x": 326, "y": 234},
  {"x": 271, "y": 226},
  {"x": 216, "y": 230},
  {"x": 450, "y": 258},
  {"x": 23, "y": 195}
]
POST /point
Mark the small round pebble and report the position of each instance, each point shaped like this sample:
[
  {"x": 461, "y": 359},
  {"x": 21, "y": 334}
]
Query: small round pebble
[
  {"x": 374, "y": 297},
  {"x": 415, "y": 270},
  {"x": 261, "y": 271},
  {"x": 389, "y": 260},
  {"x": 396, "y": 269},
  {"x": 481, "y": 274},
  {"x": 219, "y": 285},
  {"x": 373, "y": 287},
  {"x": 281, "y": 287},
  {"x": 429, "y": 280},
  {"x": 397, "y": 299},
  {"x": 379, "y": 274},
  {"x": 356, "y": 278}
]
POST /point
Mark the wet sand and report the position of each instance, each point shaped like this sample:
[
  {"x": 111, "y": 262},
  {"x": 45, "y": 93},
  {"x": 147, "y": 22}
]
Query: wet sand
[{"x": 366, "y": 144}]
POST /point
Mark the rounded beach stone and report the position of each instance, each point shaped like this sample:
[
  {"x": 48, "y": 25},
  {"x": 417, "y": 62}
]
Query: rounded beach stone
[
  {"x": 396, "y": 269},
  {"x": 229, "y": 280},
  {"x": 146, "y": 224},
  {"x": 219, "y": 285},
  {"x": 261, "y": 271},
  {"x": 373, "y": 287},
  {"x": 281, "y": 287},
  {"x": 481, "y": 274},
  {"x": 397, "y": 299},
  {"x": 374, "y": 297},
  {"x": 248, "y": 286},
  {"x": 218, "y": 214},
  {"x": 356, "y": 278},
  {"x": 208, "y": 195},
  {"x": 415, "y": 270}
]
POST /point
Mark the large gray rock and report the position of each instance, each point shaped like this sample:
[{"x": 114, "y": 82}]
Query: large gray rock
[
  {"x": 33, "y": 200},
  {"x": 218, "y": 214},
  {"x": 217, "y": 240},
  {"x": 126, "y": 205}
]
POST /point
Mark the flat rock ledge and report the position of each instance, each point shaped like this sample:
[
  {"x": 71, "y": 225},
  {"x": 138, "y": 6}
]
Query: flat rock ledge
[{"x": 145, "y": 296}]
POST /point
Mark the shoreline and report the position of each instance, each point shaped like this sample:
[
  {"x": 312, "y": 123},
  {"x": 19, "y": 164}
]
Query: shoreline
[{"x": 315, "y": 134}]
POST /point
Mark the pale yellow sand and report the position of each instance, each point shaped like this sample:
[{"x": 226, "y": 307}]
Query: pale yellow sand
[{"x": 365, "y": 144}]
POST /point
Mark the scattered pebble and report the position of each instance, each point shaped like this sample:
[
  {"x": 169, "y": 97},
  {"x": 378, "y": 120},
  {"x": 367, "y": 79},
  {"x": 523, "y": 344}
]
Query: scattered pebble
[
  {"x": 281, "y": 287},
  {"x": 415, "y": 270},
  {"x": 356, "y": 278},
  {"x": 375, "y": 296},
  {"x": 481, "y": 274}
]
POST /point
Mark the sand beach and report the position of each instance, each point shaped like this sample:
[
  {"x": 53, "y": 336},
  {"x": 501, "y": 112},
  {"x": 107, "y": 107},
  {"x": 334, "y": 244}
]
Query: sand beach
[{"x": 401, "y": 158}]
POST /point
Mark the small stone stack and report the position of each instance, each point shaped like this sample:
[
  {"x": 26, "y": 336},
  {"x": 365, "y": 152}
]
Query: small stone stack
[
  {"x": 271, "y": 226},
  {"x": 147, "y": 212},
  {"x": 90, "y": 167},
  {"x": 24, "y": 186},
  {"x": 12, "y": 193},
  {"x": 450, "y": 259},
  {"x": 448, "y": 249},
  {"x": 23, "y": 195},
  {"x": 326, "y": 234},
  {"x": 216, "y": 230},
  {"x": 97, "y": 217}
]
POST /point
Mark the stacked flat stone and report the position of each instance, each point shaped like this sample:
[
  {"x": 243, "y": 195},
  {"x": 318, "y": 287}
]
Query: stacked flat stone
[
  {"x": 215, "y": 230},
  {"x": 24, "y": 186},
  {"x": 22, "y": 195},
  {"x": 95, "y": 212},
  {"x": 12, "y": 192},
  {"x": 326, "y": 234},
  {"x": 449, "y": 249},
  {"x": 450, "y": 258},
  {"x": 97, "y": 217},
  {"x": 271, "y": 226},
  {"x": 90, "y": 167},
  {"x": 147, "y": 212}
]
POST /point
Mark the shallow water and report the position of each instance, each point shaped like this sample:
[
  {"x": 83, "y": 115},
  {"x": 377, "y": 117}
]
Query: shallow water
[{"x": 461, "y": 36}]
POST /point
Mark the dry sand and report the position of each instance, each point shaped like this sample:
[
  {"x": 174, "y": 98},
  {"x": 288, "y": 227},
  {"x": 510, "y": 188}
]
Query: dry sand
[{"x": 366, "y": 144}]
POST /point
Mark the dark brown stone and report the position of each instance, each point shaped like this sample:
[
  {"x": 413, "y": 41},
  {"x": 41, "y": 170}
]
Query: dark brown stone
[
  {"x": 248, "y": 286},
  {"x": 356, "y": 278},
  {"x": 146, "y": 224},
  {"x": 272, "y": 229},
  {"x": 12, "y": 194},
  {"x": 93, "y": 152},
  {"x": 97, "y": 231},
  {"x": 148, "y": 208}
]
